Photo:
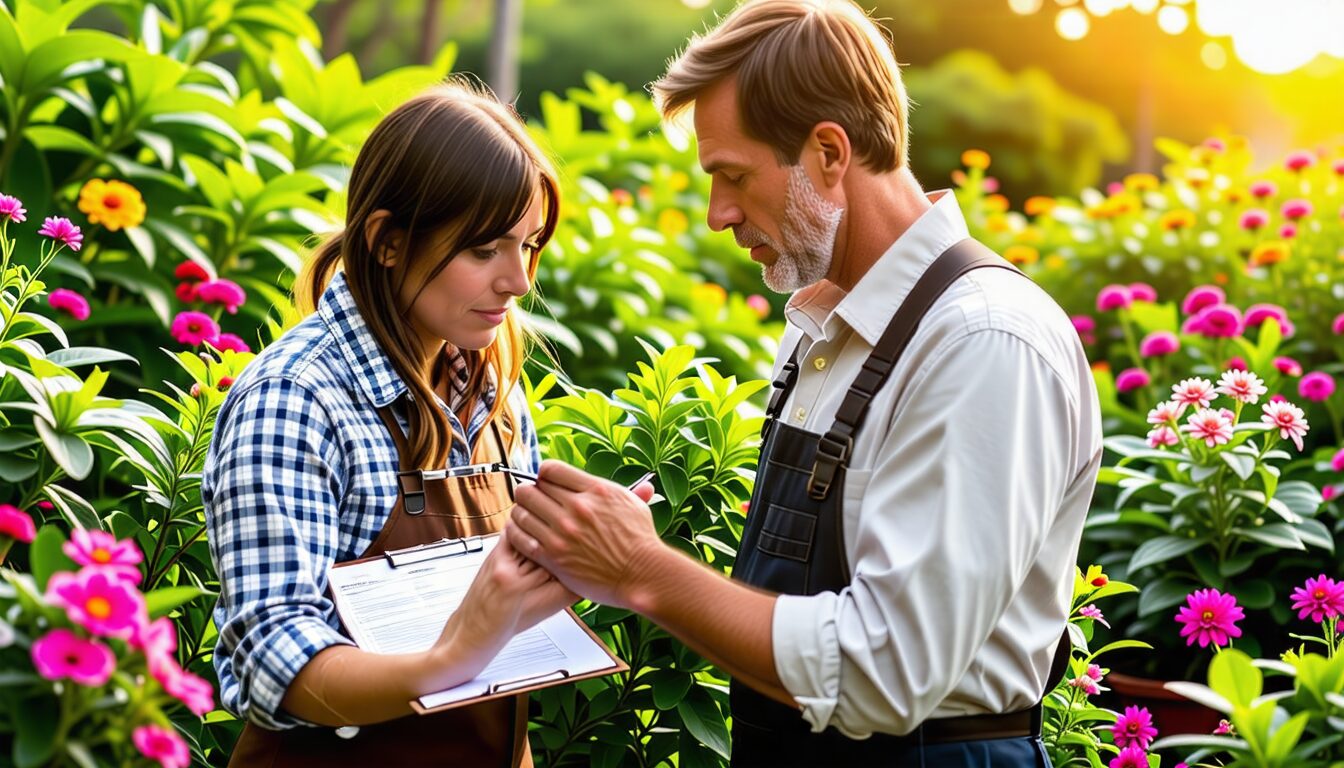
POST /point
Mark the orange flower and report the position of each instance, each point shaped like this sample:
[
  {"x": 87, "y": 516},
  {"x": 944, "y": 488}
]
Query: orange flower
[
  {"x": 997, "y": 222},
  {"x": 1141, "y": 182},
  {"x": 1197, "y": 177},
  {"x": 1178, "y": 219},
  {"x": 1123, "y": 203},
  {"x": 1234, "y": 195},
  {"x": 1039, "y": 205},
  {"x": 975, "y": 158},
  {"x": 996, "y": 203},
  {"x": 1021, "y": 255},
  {"x": 1269, "y": 252},
  {"x": 1220, "y": 278},
  {"x": 114, "y": 204}
]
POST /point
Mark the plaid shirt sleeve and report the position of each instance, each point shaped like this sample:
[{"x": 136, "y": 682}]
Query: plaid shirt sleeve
[
  {"x": 272, "y": 489},
  {"x": 531, "y": 451}
]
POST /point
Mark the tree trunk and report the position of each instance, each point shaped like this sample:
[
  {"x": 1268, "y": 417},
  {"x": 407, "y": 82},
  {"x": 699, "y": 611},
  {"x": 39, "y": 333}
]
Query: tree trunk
[
  {"x": 429, "y": 32},
  {"x": 338, "y": 23},
  {"x": 502, "y": 69}
]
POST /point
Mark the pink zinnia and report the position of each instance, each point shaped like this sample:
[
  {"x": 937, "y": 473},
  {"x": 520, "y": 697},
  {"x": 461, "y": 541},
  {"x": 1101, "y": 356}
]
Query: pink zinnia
[
  {"x": 1299, "y": 160},
  {"x": 1320, "y": 598},
  {"x": 163, "y": 745},
  {"x": 1287, "y": 232},
  {"x": 1163, "y": 435},
  {"x": 1241, "y": 385},
  {"x": 230, "y": 341},
  {"x": 1288, "y": 366},
  {"x": 224, "y": 293},
  {"x": 1130, "y": 757},
  {"x": 1213, "y": 427},
  {"x": 1256, "y": 314},
  {"x": 1142, "y": 292},
  {"x": 1337, "y": 461},
  {"x": 1316, "y": 386},
  {"x": 158, "y": 640},
  {"x": 12, "y": 209},
  {"x": 193, "y": 327},
  {"x": 61, "y": 654},
  {"x": 1094, "y": 613},
  {"x": 1134, "y": 728},
  {"x": 1114, "y": 297},
  {"x": 1159, "y": 344},
  {"x": 1202, "y": 296},
  {"x": 1132, "y": 378},
  {"x": 1165, "y": 412},
  {"x": 101, "y": 549},
  {"x": 1295, "y": 209},
  {"x": 98, "y": 601},
  {"x": 1263, "y": 189},
  {"x": 1288, "y": 418},
  {"x": 1085, "y": 324},
  {"x": 1220, "y": 321},
  {"x": 1087, "y": 684},
  {"x": 69, "y": 302},
  {"x": 1194, "y": 391},
  {"x": 16, "y": 524},
  {"x": 1236, "y": 364},
  {"x": 1254, "y": 219},
  {"x": 1337, "y": 325},
  {"x": 1329, "y": 492},
  {"x": 1209, "y": 616},
  {"x": 191, "y": 272},
  {"x": 62, "y": 231},
  {"x": 190, "y": 689}
]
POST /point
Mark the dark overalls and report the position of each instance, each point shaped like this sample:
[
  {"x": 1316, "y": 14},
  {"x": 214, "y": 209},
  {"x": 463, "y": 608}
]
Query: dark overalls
[{"x": 794, "y": 543}]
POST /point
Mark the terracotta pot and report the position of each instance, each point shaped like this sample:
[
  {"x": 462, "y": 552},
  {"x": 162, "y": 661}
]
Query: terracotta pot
[{"x": 1172, "y": 713}]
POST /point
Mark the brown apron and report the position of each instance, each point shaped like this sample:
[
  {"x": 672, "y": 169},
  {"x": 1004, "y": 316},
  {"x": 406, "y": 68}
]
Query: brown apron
[{"x": 492, "y": 733}]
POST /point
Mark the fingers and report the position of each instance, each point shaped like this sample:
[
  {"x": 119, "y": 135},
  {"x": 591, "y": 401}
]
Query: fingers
[
  {"x": 565, "y": 475},
  {"x": 537, "y": 514},
  {"x": 644, "y": 491}
]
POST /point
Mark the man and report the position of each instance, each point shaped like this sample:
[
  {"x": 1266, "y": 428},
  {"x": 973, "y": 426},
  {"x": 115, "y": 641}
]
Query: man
[{"x": 932, "y": 443}]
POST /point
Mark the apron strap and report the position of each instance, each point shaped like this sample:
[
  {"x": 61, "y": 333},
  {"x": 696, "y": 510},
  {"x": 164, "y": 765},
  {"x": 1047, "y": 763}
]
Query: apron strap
[{"x": 398, "y": 437}]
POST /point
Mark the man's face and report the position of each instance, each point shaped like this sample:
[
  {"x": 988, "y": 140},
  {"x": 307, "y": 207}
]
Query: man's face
[{"x": 774, "y": 210}]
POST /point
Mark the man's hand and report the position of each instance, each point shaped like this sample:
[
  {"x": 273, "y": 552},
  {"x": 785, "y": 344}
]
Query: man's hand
[{"x": 591, "y": 533}]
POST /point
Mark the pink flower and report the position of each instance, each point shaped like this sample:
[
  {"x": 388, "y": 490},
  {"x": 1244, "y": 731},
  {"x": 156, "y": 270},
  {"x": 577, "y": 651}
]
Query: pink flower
[
  {"x": 1236, "y": 364},
  {"x": 759, "y": 304},
  {"x": 230, "y": 341},
  {"x": 1338, "y": 167},
  {"x": 16, "y": 524},
  {"x": 1085, "y": 324},
  {"x": 1337, "y": 461},
  {"x": 1195, "y": 391},
  {"x": 1263, "y": 189},
  {"x": 1295, "y": 209},
  {"x": 158, "y": 640},
  {"x": 1132, "y": 378},
  {"x": 1115, "y": 187},
  {"x": 225, "y": 293},
  {"x": 1130, "y": 757},
  {"x": 1213, "y": 427},
  {"x": 1165, "y": 412},
  {"x": 98, "y": 601},
  {"x": 1215, "y": 144},
  {"x": 1164, "y": 435},
  {"x": 1142, "y": 292},
  {"x": 1254, "y": 219},
  {"x": 1299, "y": 160},
  {"x": 191, "y": 272},
  {"x": 1287, "y": 232},
  {"x": 1220, "y": 321},
  {"x": 1337, "y": 325},
  {"x": 69, "y": 302},
  {"x": 1329, "y": 492},
  {"x": 1202, "y": 296},
  {"x": 1256, "y": 314},
  {"x": 186, "y": 292},
  {"x": 12, "y": 209},
  {"x": 1087, "y": 684},
  {"x": 1224, "y": 729},
  {"x": 192, "y": 690},
  {"x": 61, "y": 653},
  {"x": 1320, "y": 598},
  {"x": 1241, "y": 385},
  {"x": 1134, "y": 728},
  {"x": 1114, "y": 297},
  {"x": 1209, "y": 616},
  {"x": 1094, "y": 670},
  {"x": 1192, "y": 325},
  {"x": 193, "y": 327},
  {"x": 100, "y": 549},
  {"x": 62, "y": 231},
  {"x": 1288, "y": 418},
  {"x": 1159, "y": 344},
  {"x": 1316, "y": 386},
  {"x": 162, "y": 744},
  {"x": 1288, "y": 366},
  {"x": 1094, "y": 613},
  {"x": 991, "y": 184}
]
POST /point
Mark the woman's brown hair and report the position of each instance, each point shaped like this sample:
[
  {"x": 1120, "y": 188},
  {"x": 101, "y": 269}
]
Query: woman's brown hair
[{"x": 454, "y": 159}]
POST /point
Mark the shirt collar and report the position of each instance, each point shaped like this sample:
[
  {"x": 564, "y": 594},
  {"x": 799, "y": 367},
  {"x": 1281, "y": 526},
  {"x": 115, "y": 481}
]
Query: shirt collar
[
  {"x": 368, "y": 364},
  {"x": 820, "y": 309}
]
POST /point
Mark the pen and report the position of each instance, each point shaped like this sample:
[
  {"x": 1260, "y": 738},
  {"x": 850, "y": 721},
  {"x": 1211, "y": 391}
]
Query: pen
[{"x": 531, "y": 478}]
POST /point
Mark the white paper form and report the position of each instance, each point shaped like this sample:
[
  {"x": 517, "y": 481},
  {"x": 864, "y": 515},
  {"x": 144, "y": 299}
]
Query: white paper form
[{"x": 403, "y": 610}]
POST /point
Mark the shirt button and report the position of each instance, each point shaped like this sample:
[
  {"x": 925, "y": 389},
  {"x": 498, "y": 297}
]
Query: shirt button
[
  {"x": 819, "y": 363},
  {"x": 800, "y": 414}
]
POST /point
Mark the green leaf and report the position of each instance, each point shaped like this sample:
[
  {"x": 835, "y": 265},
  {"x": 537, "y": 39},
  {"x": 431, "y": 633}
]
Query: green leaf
[
  {"x": 669, "y": 686},
  {"x": 1161, "y": 549},
  {"x": 1200, "y": 693},
  {"x": 1286, "y": 737},
  {"x": 11, "y": 47},
  {"x": 47, "y": 557},
  {"x": 1164, "y": 593},
  {"x": 48, "y": 60},
  {"x": 77, "y": 356},
  {"x": 704, "y": 721},
  {"x": 55, "y": 137},
  {"x": 204, "y": 121},
  {"x": 1233, "y": 676},
  {"x": 35, "y": 723},
  {"x": 69, "y": 451},
  {"x": 73, "y": 507},
  {"x": 1241, "y": 464},
  {"x": 161, "y": 602},
  {"x": 143, "y": 242},
  {"x": 1278, "y": 535}
]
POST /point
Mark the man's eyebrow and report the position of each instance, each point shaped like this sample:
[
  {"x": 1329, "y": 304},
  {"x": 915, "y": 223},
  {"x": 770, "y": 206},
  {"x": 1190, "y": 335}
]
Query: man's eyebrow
[{"x": 715, "y": 166}]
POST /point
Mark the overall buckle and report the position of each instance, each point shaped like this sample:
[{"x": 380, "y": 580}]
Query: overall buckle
[{"x": 832, "y": 453}]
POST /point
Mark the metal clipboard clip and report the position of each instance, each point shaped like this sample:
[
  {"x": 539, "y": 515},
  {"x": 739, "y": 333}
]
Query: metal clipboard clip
[
  {"x": 434, "y": 550},
  {"x": 504, "y": 686}
]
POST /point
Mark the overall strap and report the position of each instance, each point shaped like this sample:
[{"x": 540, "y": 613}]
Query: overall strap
[
  {"x": 782, "y": 385},
  {"x": 837, "y": 444}
]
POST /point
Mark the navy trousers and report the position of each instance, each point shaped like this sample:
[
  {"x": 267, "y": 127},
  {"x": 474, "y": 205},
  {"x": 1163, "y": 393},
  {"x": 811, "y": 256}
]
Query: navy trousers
[{"x": 1023, "y": 752}]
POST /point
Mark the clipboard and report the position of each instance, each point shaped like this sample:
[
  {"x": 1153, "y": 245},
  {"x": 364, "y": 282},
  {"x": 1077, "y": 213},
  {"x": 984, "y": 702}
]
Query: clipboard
[{"x": 363, "y": 589}]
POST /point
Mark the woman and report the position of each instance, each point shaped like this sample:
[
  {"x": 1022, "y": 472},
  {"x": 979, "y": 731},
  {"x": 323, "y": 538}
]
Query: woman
[{"x": 410, "y": 362}]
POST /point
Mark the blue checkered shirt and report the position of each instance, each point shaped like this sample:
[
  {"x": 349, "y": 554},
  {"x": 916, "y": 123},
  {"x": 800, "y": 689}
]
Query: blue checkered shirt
[{"x": 301, "y": 473}]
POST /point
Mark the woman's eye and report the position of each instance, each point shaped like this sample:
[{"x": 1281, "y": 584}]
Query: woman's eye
[{"x": 485, "y": 253}]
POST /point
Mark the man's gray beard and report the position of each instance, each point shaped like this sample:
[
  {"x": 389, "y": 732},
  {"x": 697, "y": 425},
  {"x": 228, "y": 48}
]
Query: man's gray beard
[{"x": 810, "y": 226}]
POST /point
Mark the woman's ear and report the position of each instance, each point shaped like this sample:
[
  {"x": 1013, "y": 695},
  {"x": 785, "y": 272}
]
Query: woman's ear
[{"x": 392, "y": 244}]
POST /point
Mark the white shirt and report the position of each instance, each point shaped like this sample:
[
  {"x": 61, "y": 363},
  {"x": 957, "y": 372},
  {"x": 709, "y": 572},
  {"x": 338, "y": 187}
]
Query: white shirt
[{"x": 964, "y": 500}]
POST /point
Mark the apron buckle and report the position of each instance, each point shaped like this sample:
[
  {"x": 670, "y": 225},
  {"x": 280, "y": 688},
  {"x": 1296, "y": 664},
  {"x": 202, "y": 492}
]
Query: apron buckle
[
  {"x": 832, "y": 452},
  {"x": 412, "y": 491}
]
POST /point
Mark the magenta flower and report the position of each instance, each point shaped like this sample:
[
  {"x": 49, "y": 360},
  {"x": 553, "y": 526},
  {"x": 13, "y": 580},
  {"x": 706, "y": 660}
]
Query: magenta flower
[
  {"x": 1299, "y": 160},
  {"x": 1142, "y": 292},
  {"x": 1114, "y": 297},
  {"x": 1159, "y": 344},
  {"x": 62, "y": 231},
  {"x": 157, "y": 639},
  {"x": 1337, "y": 325},
  {"x": 1263, "y": 189},
  {"x": 1241, "y": 385},
  {"x": 192, "y": 690},
  {"x": 1329, "y": 492},
  {"x": 1094, "y": 613},
  {"x": 69, "y": 302},
  {"x": 1134, "y": 728},
  {"x": 193, "y": 327},
  {"x": 1316, "y": 386},
  {"x": 1287, "y": 232},
  {"x": 191, "y": 272},
  {"x": 1338, "y": 167},
  {"x": 1295, "y": 209},
  {"x": 100, "y": 549},
  {"x": 1130, "y": 757},
  {"x": 61, "y": 653},
  {"x": 1256, "y": 314},
  {"x": 100, "y": 602},
  {"x": 1320, "y": 598},
  {"x": 1288, "y": 366},
  {"x": 759, "y": 304},
  {"x": 1213, "y": 427},
  {"x": 1131, "y": 379},
  {"x": 1337, "y": 461},
  {"x": 1202, "y": 296},
  {"x": 16, "y": 524},
  {"x": 1236, "y": 364},
  {"x": 1086, "y": 684},
  {"x": 224, "y": 293},
  {"x": 1254, "y": 219},
  {"x": 229, "y": 341},
  {"x": 163, "y": 745},
  {"x": 12, "y": 209},
  {"x": 1085, "y": 324},
  {"x": 1165, "y": 412},
  {"x": 1163, "y": 435},
  {"x": 1094, "y": 670},
  {"x": 1194, "y": 391},
  {"x": 1209, "y": 616},
  {"x": 1224, "y": 728},
  {"x": 1288, "y": 418},
  {"x": 1219, "y": 321}
]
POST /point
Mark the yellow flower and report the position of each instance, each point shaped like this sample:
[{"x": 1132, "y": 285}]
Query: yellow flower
[
  {"x": 711, "y": 293},
  {"x": 1054, "y": 261},
  {"x": 678, "y": 181},
  {"x": 1178, "y": 219},
  {"x": 1197, "y": 177},
  {"x": 1021, "y": 255},
  {"x": 1030, "y": 236},
  {"x": 672, "y": 222},
  {"x": 1141, "y": 182},
  {"x": 1039, "y": 205},
  {"x": 114, "y": 204},
  {"x": 1270, "y": 252},
  {"x": 997, "y": 222},
  {"x": 975, "y": 158},
  {"x": 996, "y": 203},
  {"x": 1119, "y": 205}
]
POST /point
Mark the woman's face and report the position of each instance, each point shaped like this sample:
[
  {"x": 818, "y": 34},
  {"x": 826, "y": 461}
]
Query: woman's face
[{"x": 465, "y": 303}]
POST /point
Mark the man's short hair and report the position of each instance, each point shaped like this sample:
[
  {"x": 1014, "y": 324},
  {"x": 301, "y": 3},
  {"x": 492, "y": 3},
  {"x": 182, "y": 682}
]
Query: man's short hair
[{"x": 799, "y": 63}]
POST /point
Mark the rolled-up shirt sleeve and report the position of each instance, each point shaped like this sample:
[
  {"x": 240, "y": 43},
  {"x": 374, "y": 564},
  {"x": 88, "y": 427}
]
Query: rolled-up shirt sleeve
[
  {"x": 272, "y": 487},
  {"x": 962, "y": 495}
]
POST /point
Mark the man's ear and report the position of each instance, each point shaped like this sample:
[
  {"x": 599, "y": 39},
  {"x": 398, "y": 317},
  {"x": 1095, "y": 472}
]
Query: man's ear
[
  {"x": 391, "y": 245},
  {"x": 830, "y": 145}
]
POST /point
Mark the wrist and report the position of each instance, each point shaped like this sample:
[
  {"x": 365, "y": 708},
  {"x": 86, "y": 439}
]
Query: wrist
[{"x": 648, "y": 569}]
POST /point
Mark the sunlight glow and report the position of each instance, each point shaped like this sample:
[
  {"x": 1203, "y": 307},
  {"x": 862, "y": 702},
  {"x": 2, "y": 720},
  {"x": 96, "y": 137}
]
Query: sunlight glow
[
  {"x": 1173, "y": 20},
  {"x": 1072, "y": 24}
]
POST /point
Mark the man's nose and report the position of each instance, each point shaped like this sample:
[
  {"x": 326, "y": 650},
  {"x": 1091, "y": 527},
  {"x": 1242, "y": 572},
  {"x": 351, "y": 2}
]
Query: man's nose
[{"x": 722, "y": 213}]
